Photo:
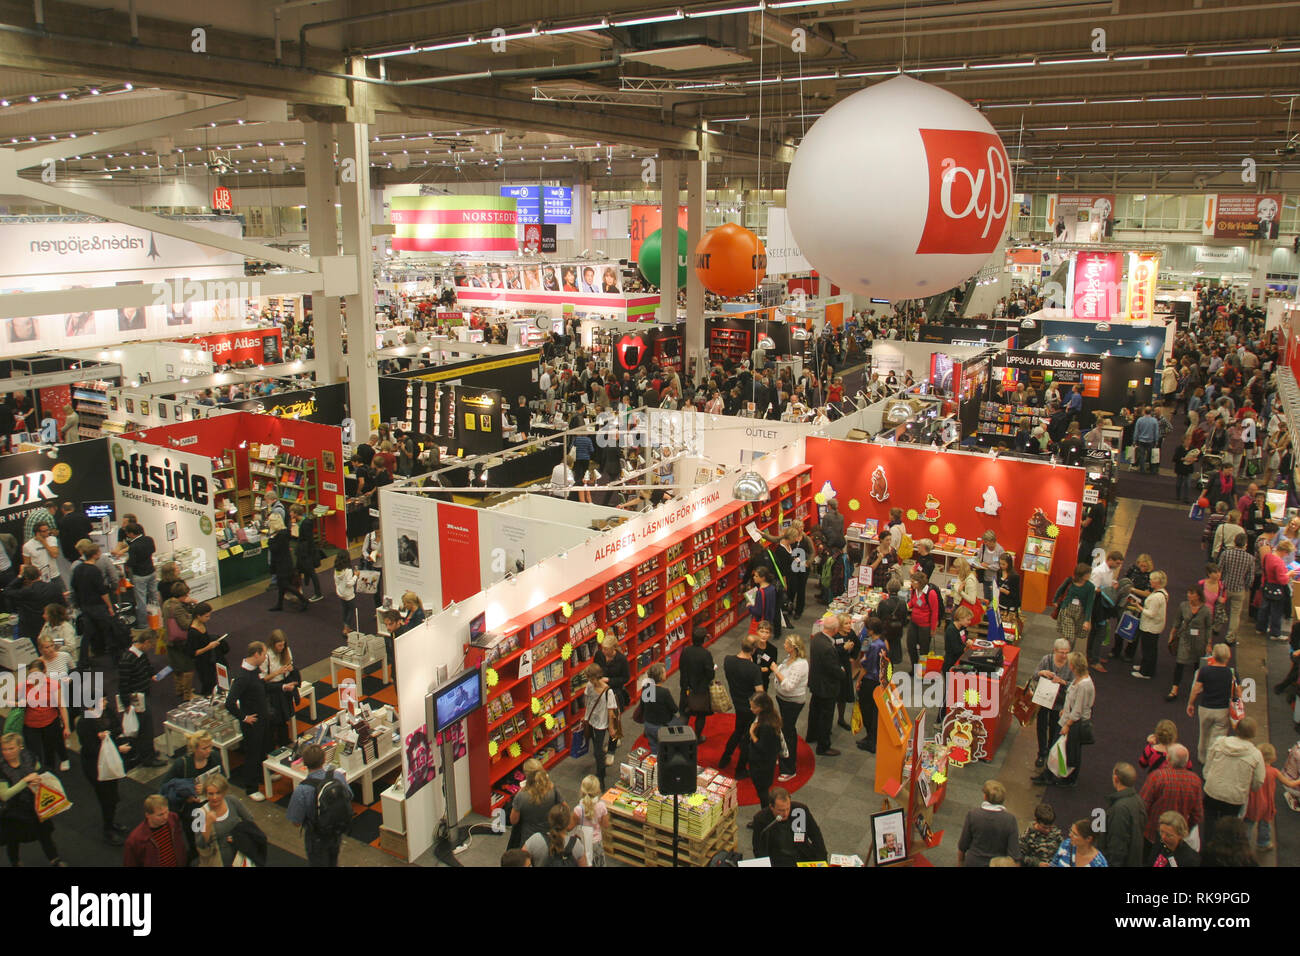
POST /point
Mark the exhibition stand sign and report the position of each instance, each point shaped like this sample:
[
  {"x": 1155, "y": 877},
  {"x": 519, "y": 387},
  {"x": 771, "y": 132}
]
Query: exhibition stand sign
[
  {"x": 35, "y": 480},
  {"x": 1110, "y": 382},
  {"x": 1242, "y": 215},
  {"x": 58, "y": 253},
  {"x": 259, "y": 346},
  {"x": 454, "y": 224},
  {"x": 171, "y": 493},
  {"x": 324, "y": 404}
]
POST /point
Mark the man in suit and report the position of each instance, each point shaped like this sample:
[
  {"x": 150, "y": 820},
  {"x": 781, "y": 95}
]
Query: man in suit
[
  {"x": 248, "y": 704},
  {"x": 73, "y": 526},
  {"x": 825, "y": 679},
  {"x": 786, "y": 832}
]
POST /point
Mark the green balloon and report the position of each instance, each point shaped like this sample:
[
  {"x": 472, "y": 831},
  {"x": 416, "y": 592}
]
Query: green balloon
[{"x": 651, "y": 249}]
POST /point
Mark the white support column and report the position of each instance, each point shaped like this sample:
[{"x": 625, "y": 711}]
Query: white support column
[
  {"x": 354, "y": 194},
  {"x": 322, "y": 234},
  {"x": 582, "y": 203},
  {"x": 671, "y": 194},
  {"x": 696, "y": 183}
]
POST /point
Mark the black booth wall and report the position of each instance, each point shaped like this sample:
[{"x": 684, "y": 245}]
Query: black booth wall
[
  {"x": 991, "y": 332},
  {"x": 513, "y": 375},
  {"x": 328, "y": 404},
  {"x": 1116, "y": 372},
  {"x": 32, "y": 480}
]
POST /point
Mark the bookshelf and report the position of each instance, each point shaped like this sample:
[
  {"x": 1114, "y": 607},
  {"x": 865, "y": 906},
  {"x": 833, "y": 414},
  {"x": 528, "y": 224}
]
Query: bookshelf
[
  {"x": 1002, "y": 420},
  {"x": 296, "y": 481},
  {"x": 729, "y": 345},
  {"x": 228, "y": 491},
  {"x": 650, "y": 602},
  {"x": 90, "y": 399}
]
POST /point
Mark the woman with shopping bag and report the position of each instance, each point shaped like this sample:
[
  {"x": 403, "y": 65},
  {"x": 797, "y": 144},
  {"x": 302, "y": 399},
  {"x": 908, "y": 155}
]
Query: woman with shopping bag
[
  {"x": 1066, "y": 757},
  {"x": 102, "y": 746},
  {"x": 20, "y": 775},
  {"x": 764, "y": 604}
]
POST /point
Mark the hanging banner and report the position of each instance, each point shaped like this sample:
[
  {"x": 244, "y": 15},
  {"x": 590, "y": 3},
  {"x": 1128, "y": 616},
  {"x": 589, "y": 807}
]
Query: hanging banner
[
  {"x": 783, "y": 255},
  {"x": 1095, "y": 284},
  {"x": 1084, "y": 217},
  {"x": 1143, "y": 267},
  {"x": 259, "y": 346},
  {"x": 454, "y": 224},
  {"x": 1243, "y": 217},
  {"x": 645, "y": 220}
]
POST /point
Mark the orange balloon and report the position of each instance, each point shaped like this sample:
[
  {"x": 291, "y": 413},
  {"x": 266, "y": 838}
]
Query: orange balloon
[{"x": 730, "y": 260}]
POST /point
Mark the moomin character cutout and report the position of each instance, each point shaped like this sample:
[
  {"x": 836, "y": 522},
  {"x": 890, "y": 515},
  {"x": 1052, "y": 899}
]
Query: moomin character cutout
[
  {"x": 879, "y": 484},
  {"x": 991, "y": 504}
]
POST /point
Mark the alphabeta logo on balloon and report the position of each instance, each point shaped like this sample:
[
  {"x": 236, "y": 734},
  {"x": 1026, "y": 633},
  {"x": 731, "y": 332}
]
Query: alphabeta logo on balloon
[{"x": 970, "y": 192}]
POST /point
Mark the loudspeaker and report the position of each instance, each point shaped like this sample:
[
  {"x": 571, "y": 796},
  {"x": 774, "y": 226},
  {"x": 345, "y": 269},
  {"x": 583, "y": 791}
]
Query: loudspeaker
[{"x": 676, "y": 767}]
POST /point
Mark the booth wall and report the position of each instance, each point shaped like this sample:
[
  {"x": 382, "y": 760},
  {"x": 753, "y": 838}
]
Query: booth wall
[
  {"x": 33, "y": 480},
  {"x": 959, "y": 482},
  {"x": 324, "y": 404},
  {"x": 901, "y": 357},
  {"x": 442, "y": 639},
  {"x": 1116, "y": 373},
  {"x": 513, "y": 375},
  {"x": 174, "y": 517},
  {"x": 724, "y": 439}
]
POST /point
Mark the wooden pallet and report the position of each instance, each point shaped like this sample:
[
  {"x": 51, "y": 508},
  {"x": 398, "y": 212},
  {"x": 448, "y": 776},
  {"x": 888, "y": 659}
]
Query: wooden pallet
[{"x": 640, "y": 843}]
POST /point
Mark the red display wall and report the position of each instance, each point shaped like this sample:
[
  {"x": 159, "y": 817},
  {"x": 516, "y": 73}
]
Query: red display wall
[
  {"x": 911, "y": 476},
  {"x": 212, "y": 436},
  {"x": 458, "y": 557}
]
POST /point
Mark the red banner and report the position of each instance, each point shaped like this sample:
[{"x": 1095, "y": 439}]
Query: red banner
[
  {"x": 1096, "y": 279},
  {"x": 260, "y": 346},
  {"x": 644, "y": 220},
  {"x": 458, "y": 552},
  {"x": 1143, "y": 267},
  {"x": 1247, "y": 217},
  {"x": 970, "y": 192}
]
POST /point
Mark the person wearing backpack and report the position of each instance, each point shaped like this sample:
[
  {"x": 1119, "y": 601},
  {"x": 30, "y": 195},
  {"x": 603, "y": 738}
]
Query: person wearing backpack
[
  {"x": 322, "y": 806},
  {"x": 561, "y": 844}
]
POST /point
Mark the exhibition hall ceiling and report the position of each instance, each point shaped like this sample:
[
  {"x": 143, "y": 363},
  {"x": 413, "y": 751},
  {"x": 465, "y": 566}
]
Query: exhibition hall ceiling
[{"x": 1126, "y": 94}]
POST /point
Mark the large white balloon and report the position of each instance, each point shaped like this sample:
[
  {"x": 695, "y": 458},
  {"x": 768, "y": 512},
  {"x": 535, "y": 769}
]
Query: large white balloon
[{"x": 900, "y": 191}]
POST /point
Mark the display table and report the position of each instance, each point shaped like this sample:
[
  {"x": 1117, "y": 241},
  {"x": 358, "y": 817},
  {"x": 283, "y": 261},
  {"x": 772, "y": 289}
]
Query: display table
[
  {"x": 357, "y": 658},
  {"x": 204, "y": 714},
  {"x": 996, "y": 724},
  {"x": 389, "y": 757},
  {"x": 237, "y": 570}
]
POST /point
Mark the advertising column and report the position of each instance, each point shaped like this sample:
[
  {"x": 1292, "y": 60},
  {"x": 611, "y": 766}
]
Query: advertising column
[
  {"x": 1094, "y": 285},
  {"x": 170, "y": 493}
]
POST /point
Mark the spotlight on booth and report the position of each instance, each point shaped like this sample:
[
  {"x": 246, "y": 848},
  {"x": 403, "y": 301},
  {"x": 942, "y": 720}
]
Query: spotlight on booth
[{"x": 750, "y": 486}]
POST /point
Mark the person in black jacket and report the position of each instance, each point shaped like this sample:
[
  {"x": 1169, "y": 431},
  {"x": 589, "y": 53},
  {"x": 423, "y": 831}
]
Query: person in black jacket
[
  {"x": 744, "y": 680},
  {"x": 825, "y": 682},
  {"x": 618, "y": 672},
  {"x": 248, "y": 703},
  {"x": 658, "y": 707},
  {"x": 954, "y": 643},
  {"x": 134, "y": 681},
  {"x": 306, "y": 554},
  {"x": 90, "y": 595},
  {"x": 696, "y": 673},
  {"x": 73, "y": 526},
  {"x": 764, "y": 746},
  {"x": 95, "y": 732},
  {"x": 786, "y": 833},
  {"x": 27, "y": 597},
  {"x": 283, "y": 563}
]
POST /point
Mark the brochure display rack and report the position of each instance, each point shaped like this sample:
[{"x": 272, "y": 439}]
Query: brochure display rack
[{"x": 650, "y": 602}]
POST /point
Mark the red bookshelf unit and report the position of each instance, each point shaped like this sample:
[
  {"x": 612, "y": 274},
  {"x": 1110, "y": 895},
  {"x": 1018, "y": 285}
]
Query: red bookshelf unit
[{"x": 650, "y": 602}]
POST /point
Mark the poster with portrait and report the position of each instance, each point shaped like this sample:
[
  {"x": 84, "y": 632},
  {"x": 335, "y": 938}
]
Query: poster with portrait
[
  {"x": 889, "y": 836},
  {"x": 421, "y": 764}
]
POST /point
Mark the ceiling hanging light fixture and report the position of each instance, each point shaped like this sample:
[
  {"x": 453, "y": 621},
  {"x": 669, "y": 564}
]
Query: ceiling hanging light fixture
[{"x": 751, "y": 486}]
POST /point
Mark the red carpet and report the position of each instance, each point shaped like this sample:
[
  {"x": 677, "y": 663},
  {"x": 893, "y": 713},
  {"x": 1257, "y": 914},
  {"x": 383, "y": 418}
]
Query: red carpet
[{"x": 717, "y": 731}]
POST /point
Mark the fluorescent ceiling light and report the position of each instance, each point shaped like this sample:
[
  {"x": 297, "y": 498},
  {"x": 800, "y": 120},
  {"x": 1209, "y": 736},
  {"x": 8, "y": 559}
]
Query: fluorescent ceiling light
[
  {"x": 1257, "y": 52},
  {"x": 584, "y": 28},
  {"x": 701, "y": 14},
  {"x": 1018, "y": 64},
  {"x": 933, "y": 69},
  {"x": 873, "y": 73},
  {"x": 731, "y": 119},
  {"x": 1150, "y": 56},
  {"x": 640, "y": 21},
  {"x": 1171, "y": 99},
  {"x": 1074, "y": 61},
  {"x": 786, "y": 4}
]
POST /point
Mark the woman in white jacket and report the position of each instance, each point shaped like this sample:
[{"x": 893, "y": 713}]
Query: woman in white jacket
[
  {"x": 790, "y": 681},
  {"x": 1152, "y": 625},
  {"x": 966, "y": 587}
]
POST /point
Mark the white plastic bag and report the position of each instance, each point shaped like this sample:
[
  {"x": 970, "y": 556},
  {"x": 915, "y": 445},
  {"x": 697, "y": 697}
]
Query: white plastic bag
[
  {"x": 110, "y": 761},
  {"x": 1056, "y": 762},
  {"x": 130, "y": 724}
]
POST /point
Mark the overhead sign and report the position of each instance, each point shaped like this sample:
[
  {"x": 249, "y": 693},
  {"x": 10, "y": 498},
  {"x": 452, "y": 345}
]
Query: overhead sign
[
  {"x": 557, "y": 205},
  {"x": 259, "y": 346},
  {"x": 222, "y": 200},
  {"x": 1143, "y": 268},
  {"x": 528, "y": 203},
  {"x": 783, "y": 254},
  {"x": 1083, "y": 217},
  {"x": 1094, "y": 285},
  {"x": 453, "y": 224},
  {"x": 1234, "y": 216},
  {"x": 33, "y": 480}
]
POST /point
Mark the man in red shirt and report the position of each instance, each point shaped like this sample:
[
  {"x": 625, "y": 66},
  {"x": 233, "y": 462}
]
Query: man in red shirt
[
  {"x": 158, "y": 841},
  {"x": 1171, "y": 787}
]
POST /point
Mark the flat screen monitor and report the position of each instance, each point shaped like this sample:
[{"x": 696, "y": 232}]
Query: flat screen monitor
[
  {"x": 99, "y": 509},
  {"x": 457, "y": 699},
  {"x": 476, "y": 626}
]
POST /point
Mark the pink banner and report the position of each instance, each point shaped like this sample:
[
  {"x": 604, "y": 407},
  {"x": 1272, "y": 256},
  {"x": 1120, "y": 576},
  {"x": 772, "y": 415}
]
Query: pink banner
[{"x": 1096, "y": 285}]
